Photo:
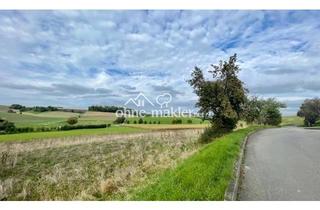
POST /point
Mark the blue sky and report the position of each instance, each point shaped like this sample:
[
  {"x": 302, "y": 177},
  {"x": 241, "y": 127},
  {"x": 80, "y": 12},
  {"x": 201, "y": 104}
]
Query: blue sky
[{"x": 80, "y": 58}]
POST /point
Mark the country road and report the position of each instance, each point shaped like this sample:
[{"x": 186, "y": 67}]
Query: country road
[{"x": 282, "y": 164}]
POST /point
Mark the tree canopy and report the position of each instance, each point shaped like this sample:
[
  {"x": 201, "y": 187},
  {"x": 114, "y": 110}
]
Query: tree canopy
[
  {"x": 220, "y": 99},
  {"x": 310, "y": 110}
]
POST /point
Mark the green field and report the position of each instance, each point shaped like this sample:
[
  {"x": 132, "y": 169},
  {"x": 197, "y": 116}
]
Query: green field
[
  {"x": 292, "y": 120},
  {"x": 58, "y": 118},
  {"x": 61, "y": 134},
  {"x": 203, "y": 176},
  {"x": 55, "y": 118}
]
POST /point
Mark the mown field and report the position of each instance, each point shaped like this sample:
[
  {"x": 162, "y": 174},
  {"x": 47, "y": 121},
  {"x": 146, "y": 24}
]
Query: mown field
[{"x": 56, "y": 118}]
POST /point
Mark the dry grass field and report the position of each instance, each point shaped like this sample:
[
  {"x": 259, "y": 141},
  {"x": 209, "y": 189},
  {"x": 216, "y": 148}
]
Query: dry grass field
[{"x": 90, "y": 167}]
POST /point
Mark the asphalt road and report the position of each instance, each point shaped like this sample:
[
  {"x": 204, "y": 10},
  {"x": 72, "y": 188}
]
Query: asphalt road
[{"x": 282, "y": 164}]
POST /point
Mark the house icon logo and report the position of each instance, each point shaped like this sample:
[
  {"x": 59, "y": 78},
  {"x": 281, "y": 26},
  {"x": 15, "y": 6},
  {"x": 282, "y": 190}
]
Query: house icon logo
[{"x": 139, "y": 101}]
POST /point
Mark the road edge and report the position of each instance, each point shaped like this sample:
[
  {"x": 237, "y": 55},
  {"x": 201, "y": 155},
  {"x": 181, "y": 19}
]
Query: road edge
[{"x": 231, "y": 192}]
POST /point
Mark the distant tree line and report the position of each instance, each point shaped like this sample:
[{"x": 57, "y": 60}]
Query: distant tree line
[
  {"x": 35, "y": 108},
  {"x": 22, "y": 108},
  {"x": 98, "y": 108},
  {"x": 113, "y": 109}
]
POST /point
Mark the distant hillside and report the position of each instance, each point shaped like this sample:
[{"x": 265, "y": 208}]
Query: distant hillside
[{"x": 4, "y": 108}]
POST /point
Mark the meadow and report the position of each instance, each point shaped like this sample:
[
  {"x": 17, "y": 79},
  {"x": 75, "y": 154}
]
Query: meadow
[{"x": 292, "y": 120}]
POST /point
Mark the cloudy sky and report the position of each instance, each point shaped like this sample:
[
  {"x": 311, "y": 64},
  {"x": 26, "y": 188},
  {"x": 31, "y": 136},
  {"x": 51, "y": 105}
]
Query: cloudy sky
[{"x": 80, "y": 58}]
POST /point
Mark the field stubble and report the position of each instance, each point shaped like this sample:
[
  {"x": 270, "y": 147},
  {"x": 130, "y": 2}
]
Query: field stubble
[{"x": 90, "y": 167}]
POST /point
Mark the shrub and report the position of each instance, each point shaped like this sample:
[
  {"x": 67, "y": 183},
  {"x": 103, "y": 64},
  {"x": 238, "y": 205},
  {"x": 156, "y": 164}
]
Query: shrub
[
  {"x": 154, "y": 122},
  {"x": 135, "y": 122},
  {"x": 119, "y": 120},
  {"x": 24, "y": 130},
  {"x": 6, "y": 126},
  {"x": 73, "y": 127},
  {"x": 145, "y": 122},
  {"x": 128, "y": 121},
  {"x": 210, "y": 133},
  {"x": 140, "y": 121},
  {"x": 177, "y": 121},
  {"x": 72, "y": 120},
  {"x": 159, "y": 122},
  {"x": 150, "y": 122},
  {"x": 272, "y": 117},
  {"x": 189, "y": 121},
  {"x": 310, "y": 110}
]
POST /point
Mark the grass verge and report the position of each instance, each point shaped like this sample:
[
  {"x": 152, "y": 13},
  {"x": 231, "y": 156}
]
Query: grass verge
[{"x": 203, "y": 176}]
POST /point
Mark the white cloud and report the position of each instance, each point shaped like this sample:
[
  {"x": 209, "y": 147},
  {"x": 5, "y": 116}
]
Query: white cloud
[{"x": 107, "y": 49}]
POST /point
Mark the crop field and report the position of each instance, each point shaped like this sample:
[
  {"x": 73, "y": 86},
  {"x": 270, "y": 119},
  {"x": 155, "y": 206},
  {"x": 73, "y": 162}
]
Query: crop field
[{"x": 90, "y": 167}]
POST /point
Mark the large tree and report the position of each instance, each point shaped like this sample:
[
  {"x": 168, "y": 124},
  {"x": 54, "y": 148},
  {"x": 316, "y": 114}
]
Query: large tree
[
  {"x": 221, "y": 98},
  {"x": 310, "y": 110}
]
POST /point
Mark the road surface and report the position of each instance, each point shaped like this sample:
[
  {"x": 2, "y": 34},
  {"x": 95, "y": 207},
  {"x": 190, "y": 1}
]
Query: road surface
[{"x": 282, "y": 164}]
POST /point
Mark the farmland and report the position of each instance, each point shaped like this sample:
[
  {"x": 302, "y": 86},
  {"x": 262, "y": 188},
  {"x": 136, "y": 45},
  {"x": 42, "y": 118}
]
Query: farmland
[
  {"x": 129, "y": 161},
  {"x": 292, "y": 120},
  {"x": 89, "y": 168}
]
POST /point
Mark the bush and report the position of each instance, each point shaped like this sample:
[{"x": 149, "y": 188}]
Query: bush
[
  {"x": 273, "y": 117},
  {"x": 119, "y": 120},
  {"x": 128, "y": 121},
  {"x": 154, "y": 122},
  {"x": 159, "y": 122},
  {"x": 6, "y": 126},
  {"x": 135, "y": 122},
  {"x": 72, "y": 120},
  {"x": 310, "y": 110},
  {"x": 145, "y": 122},
  {"x": 189, "y": 121},
  {"x": 177, "y": 121},
  {"x": 210, "y": 133},
  {"x": 24, "y": 130},
  {"x": 140, "y": 121},
  {"x": 70, "y": 127}
]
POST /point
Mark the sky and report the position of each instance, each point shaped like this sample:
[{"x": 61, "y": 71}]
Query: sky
[{"x": 80, "y": 58}]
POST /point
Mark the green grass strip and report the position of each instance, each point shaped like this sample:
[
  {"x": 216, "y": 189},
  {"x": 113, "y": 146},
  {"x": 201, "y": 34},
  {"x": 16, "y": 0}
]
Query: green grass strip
[
  {"x": 60, "y": 134},
  {"x": 203, "y": 176}
]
